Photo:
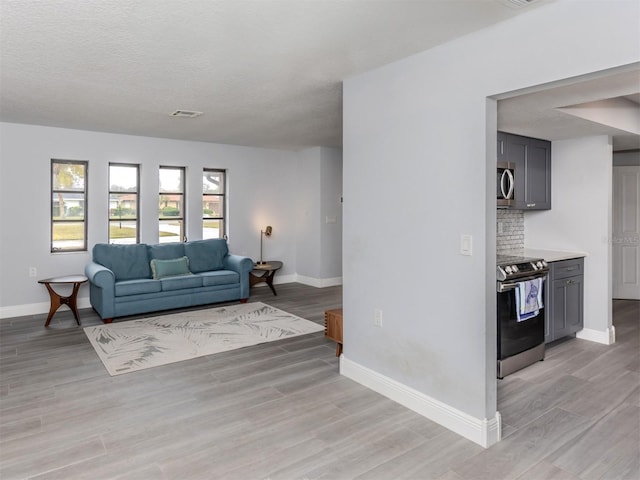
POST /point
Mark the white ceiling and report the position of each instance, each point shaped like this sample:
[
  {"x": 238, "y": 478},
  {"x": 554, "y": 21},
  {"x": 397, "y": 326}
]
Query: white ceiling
[{"x": 264, "y": 72}]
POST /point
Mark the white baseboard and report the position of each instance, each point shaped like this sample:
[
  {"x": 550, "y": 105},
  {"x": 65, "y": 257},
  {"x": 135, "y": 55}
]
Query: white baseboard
[
  {"x": 36, "y": 308},
  {"x": 319, "y": 282},
  {"x": 278, "y": 279},
  {"x": 484, "y": 432},
  {"x": 284, "y": 278},
  {"x": 608, "y": 337},
  {"x": 311, "y": 281}
]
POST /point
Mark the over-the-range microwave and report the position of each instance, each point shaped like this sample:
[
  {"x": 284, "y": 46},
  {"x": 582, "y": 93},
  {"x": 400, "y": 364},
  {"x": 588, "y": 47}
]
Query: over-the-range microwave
[{"x": 506, "y": 184}]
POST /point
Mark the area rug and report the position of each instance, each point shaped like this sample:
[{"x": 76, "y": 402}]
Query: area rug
[{"x": 135, "y": 345}]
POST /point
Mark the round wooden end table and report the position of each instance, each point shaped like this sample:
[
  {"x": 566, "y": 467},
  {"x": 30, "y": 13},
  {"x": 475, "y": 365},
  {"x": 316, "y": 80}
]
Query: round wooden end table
[
  {"x": 57, "y": 300},
  {"x": 264, "y": 272}
]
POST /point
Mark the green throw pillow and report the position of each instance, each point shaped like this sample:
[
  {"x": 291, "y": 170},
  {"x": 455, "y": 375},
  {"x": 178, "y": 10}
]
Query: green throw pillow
[{"x": 170, "y": 268}]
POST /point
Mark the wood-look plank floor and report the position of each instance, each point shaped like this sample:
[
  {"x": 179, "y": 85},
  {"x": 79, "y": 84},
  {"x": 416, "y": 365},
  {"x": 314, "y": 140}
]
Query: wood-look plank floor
[{"x": 282, "y": 411}]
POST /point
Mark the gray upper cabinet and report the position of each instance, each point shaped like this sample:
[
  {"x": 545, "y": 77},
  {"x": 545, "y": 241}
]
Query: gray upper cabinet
[
  {"x": 502, "y": 147},
  {"x": 532, "y": 159}
]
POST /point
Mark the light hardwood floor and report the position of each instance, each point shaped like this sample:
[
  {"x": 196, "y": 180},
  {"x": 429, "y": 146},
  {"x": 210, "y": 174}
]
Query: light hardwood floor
[{"x": 282, "y": 411}]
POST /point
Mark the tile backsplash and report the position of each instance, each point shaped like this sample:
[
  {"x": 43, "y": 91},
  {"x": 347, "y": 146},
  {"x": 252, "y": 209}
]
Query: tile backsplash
[{"x": 509, "y": 230}]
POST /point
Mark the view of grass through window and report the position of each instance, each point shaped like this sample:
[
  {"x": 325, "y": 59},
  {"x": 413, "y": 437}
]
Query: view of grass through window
[
  {"x": 69, "y": 201},
  {"x": 213, "y": 203},
  {"x": 123, "y": 203},
  {"x": 68, "y": 205},
  {"x": 171, "y": 205}
]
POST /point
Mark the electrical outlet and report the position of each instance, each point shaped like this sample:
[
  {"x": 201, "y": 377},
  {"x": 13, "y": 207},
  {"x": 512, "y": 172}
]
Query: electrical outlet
[
  {"x": 377, "y": 317},
  {"x": 33, "y": 272},
  {"x": 500, "y": 228}
]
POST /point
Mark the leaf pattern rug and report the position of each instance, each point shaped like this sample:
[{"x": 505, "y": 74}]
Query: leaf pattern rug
[{"x": 134, "y": 345}]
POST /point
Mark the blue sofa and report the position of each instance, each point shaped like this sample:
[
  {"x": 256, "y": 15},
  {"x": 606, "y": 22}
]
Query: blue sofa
[{"x": 131, "y": 279}]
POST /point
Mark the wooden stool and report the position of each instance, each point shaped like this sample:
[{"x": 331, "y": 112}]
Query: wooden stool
[{"x": 333, "y": 327}]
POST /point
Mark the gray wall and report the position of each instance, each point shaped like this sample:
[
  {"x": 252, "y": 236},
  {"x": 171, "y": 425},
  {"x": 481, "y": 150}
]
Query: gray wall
[
  {"x": 626, "y": 159},
  {"x": 307, "y": 208},
  {"x": 581, "y": 181},
  {"x": 331, "y": 215},
  {"x": 317, "y": 204},
  {"x": 419, "y": 154}
]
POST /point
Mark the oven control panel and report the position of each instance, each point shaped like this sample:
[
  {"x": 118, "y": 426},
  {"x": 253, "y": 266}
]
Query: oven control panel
[{"x": 522, "y": 269}]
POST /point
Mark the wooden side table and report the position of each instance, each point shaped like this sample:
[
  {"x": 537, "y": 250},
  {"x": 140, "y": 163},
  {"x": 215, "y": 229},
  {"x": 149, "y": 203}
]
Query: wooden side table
[
  {"x": 57, "y": 300},
  {"x": 264, "y": 272},
  {"x": 333, "y": 327}
]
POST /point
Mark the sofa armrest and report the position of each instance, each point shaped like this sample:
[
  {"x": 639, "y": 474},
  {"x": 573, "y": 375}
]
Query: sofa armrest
[
  {"x": 102, "y": 289},
  {"x": 99, "y": 275},
  {"x": 238, "y": 263},
  {"x": 242, "y": 265}
]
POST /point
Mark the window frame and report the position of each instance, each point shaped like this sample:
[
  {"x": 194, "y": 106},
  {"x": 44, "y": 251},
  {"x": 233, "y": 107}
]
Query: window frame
[
  {"x": 85, "y": 210},
  {"x": 183, "y": 236},
  {"x": 223, "y": 195},
  {"x": 137, "y": 195}
]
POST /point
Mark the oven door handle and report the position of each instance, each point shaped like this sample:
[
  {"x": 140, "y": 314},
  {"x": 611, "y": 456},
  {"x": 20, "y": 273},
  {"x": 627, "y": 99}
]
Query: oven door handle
[{"x": 503, "y": 286}]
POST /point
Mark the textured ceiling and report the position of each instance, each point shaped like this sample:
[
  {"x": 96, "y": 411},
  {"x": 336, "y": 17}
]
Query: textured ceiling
[{"x": 264, "y": 72}]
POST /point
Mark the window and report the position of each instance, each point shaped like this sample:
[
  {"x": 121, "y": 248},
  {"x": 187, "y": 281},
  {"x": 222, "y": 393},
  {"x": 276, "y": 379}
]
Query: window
[
  {"x": 68, "y": 205},
  {"x": 124, "y": 223},
  {"x": 213, "y": 203},
  {"x": 171, "y": 206}
]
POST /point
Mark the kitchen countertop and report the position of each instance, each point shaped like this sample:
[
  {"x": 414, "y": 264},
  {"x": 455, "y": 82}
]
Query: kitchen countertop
[{"x": 552, "y": 255}]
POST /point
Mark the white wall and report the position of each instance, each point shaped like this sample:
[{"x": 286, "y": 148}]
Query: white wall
[
  {"x": 580, "y": 220},
  {"x": 419, "y": 148},
  {"x": 262, "y": 186}
]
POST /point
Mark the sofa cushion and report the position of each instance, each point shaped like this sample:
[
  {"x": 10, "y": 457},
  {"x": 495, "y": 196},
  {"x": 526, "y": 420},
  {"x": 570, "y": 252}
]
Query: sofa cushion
[
  {"x": 169, "y": 268},
  {"x": 219, "y": 277},
  {"x": 166, "y": 251},
  {"x": 136, "y": 287},
  {"x": 127, "y": 262},
  {"x": 179, "y": 283},
  {"x": 206, "y": 255}
]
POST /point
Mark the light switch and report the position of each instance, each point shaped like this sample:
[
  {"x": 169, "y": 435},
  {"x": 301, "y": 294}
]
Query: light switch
[{"x": 466, "y": 244}]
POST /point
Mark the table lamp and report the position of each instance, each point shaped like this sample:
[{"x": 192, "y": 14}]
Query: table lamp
[{"x": 267, "y": 233}]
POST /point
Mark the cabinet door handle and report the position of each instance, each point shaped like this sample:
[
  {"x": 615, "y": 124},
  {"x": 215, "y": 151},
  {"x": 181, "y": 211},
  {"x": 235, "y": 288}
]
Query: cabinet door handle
[{"x": 531, "y": 204}]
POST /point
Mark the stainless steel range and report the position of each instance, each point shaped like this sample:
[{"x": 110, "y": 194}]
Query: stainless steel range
[{"x": 520, "y": 312}]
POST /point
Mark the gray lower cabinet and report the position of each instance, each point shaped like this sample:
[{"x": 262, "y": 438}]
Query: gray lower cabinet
[{"x": 564, "y": 312}]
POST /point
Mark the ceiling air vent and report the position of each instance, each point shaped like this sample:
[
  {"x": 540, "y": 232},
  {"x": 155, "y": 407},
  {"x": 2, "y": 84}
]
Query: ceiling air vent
[{"x": 186, "y": 113}]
